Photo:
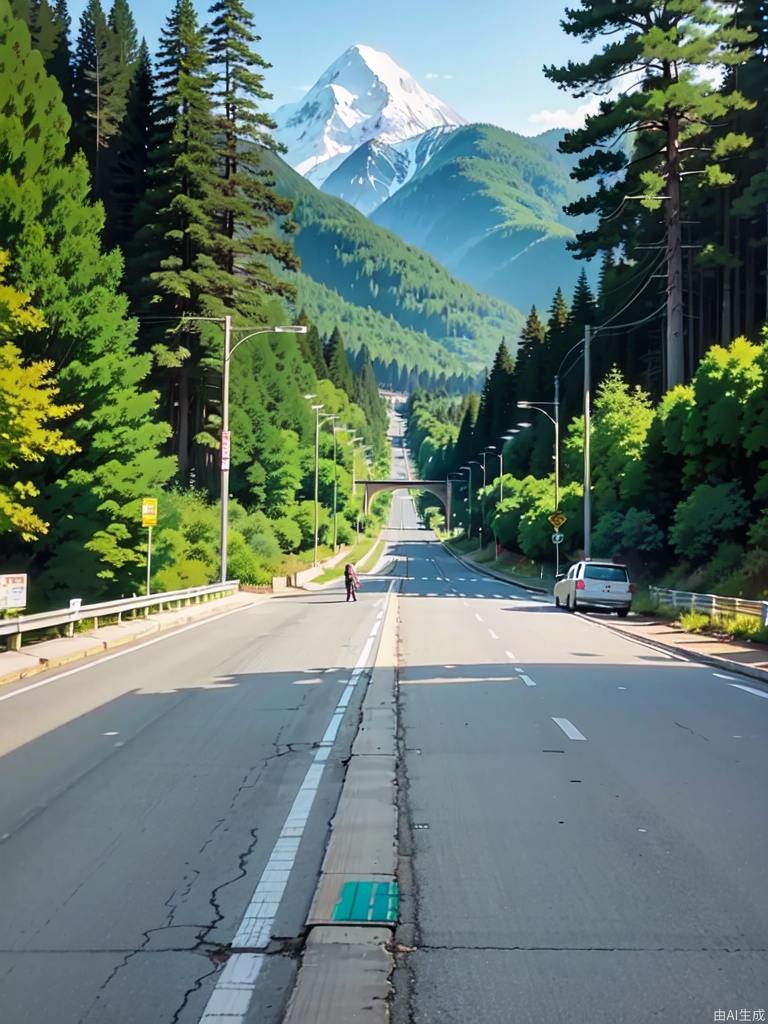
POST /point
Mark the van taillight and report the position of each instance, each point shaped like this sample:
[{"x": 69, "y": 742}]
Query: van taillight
[
  {"x": 631, "y": 588},
  {"x": 580, "y": 584}
]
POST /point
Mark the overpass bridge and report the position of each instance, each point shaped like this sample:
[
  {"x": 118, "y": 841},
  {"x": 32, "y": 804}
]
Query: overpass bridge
[{"x": 440, "y": 488}]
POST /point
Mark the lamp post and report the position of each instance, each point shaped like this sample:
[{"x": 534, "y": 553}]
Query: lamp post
[
  {"x": 469, "y": 496},
  {"x": 319, "y": 420},
  {"x": 555, "y": 421},
  {"x": 474, "y": 462},
  {"x": 229, "y": 350}
]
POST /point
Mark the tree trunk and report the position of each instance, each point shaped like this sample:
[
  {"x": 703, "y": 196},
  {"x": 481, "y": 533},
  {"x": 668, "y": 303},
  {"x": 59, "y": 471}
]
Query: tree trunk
[
  {"x": 182, "y": 442},
  {"x": 675, "y": 362},
  {"x": 726, "y": 309}
]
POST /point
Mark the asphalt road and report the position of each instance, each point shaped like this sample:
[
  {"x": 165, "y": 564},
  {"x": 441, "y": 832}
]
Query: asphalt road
[
  {"x": 588, "y": 826},
  {"x": 142, "y": 797}
]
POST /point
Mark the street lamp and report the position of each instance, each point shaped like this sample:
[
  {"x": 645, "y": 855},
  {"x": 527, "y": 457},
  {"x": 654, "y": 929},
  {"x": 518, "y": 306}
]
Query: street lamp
[
  {"x": 469, "y": 495},
  {"x": 474, "y": 462},
  {"x": 319, "y": 420},
  {"x": 229, "y": 350},
  {"x": 555, "y": 421}
]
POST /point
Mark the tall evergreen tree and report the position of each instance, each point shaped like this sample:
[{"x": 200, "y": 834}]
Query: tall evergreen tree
[
  {"x": 131, "y": 163},
  {"x": 339, "y": 370},
  {"x": 179, "y": 242},
  {"x": 52, "y": 233},
  {"x": 247, "y": 204},
  {"x": 60, "y": 62},
  {"x": 497, "y": 404},
  {"x": 100, "y": 90},
  {"x": 673, "y": 110}
]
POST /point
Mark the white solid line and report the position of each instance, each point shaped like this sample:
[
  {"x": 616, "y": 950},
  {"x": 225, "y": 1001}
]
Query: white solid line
[
  {"x": 236, "y": 984},
  {"x": 569, "y": 729},
  {"x": 493, "y": 635},
  {"x": 510, "y": 655},
  {"x": 750, "y": 689},
  {"x": 529, "y": 682},
  {"x": 721, "y": 676},
  {"x": 478, "y": 617},
  {"x": 91, "y": 663}
]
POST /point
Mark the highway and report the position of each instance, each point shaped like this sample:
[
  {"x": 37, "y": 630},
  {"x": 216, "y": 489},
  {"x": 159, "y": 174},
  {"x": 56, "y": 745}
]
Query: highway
[
  {"x": 583, "y": 825},
  {"x": 585, "y": 818}
]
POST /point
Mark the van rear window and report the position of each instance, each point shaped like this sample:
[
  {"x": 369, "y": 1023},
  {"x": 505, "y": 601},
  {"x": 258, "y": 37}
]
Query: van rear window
[{"x": 614, "y": 573}]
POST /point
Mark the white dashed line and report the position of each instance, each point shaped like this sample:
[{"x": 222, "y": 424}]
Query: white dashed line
[
  {"x": 721, "y": 676},
  {"x": 478, "y": 617},
  {"x": 493, "y": 635},
  {"x": 510, "y": 655},
  {"x": 529, "y": 682},
  {"x": 750, "y": 689},
  {"x": 569, "y": 729}
]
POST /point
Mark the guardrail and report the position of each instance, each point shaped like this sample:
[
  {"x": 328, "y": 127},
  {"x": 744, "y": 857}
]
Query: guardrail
[
  {"x": 712, "y": 604},
  {"x": 14, "y": 629}
]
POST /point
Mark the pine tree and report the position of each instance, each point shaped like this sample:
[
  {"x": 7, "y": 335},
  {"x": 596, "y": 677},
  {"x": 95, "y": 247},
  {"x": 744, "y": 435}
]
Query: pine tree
[
  {"x": 248, "y": 206},
  {"x": 49, "y": 227},
  {"x": 179, "y": 242},
  {"x": 498, "y": 401},
  {"x": 339, "y": 371},
  {"x": 100, "y": 90},
  {"x": 60, "y": 63},
  {"x": 665, "y": 43},
  {"x": 131, "y": 163}
]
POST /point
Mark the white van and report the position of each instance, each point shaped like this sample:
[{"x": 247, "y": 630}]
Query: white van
[{"x": 599, "y": 585}]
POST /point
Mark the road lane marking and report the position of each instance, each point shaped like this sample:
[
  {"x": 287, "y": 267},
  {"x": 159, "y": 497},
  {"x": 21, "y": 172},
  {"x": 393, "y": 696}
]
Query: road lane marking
[
  {"x": 493, "y": 635},
  {"x": 306, "y": 682},
  {"x": 232, "y": 994},
  {"x": 478, "y": 617},
  {"x": 90, "y": 663},
  {"x": 750, "y": 689},
  {"x": 569, "y": 729},
  {"x": 500, "y": 597},
  {"x": 510, "y": 655},
  {"x": 721, "y": 676},
  {"x": 466, "y": 604},
  {"x": 529, "y": 682}
]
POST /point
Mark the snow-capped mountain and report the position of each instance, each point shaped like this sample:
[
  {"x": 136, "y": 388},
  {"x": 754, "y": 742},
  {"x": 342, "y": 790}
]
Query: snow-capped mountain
[
  {"x": 364, "y": 95},
  {"x": 376, "y": 169}
]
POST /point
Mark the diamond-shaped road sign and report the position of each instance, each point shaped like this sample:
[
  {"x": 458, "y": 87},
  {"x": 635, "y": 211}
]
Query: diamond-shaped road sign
[{"x": 558, "y": 519}]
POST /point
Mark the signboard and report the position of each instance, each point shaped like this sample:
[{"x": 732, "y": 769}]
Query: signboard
[
  {"x": 226, "y": 437},
  {"x": 558, "y": 538},
  {"x": 13, "y": 590},
  {"x": 149, "y": 511},
  {"x": 558, "y": 519}
]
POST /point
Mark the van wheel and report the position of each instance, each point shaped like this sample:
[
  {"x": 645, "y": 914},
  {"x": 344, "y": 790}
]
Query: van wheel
[
  {"x": 557, "y": 602},
  {"x": 568, "y": 604},
  {"x": 623, "y": 613}
]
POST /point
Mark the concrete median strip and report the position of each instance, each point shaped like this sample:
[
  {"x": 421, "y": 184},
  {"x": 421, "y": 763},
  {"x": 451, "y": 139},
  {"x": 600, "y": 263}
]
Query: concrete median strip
[{"x": 346, "y": 964}]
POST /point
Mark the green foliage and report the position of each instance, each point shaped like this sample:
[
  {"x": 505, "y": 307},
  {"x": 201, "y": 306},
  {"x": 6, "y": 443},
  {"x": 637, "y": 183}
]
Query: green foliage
[
  {"x": 709, "y": 514},
  {"x": 51, "y": 227}
]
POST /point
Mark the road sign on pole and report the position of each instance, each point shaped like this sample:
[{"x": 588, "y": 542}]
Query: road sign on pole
[
  {"x": 149, "y": 512},
  {"x": 558, "y": 538},
  {"x": 226, "y": 444},
  {"x": 558, "y": 519},
  {"x": 13, "y": 590}
]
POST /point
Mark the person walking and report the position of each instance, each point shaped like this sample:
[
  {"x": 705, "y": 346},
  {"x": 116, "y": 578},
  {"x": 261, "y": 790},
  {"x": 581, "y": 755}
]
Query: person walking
[{"x": 351, "y": 581}]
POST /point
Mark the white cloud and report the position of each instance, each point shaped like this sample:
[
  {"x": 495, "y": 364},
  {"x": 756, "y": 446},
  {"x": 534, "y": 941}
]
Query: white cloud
[{"x": 546, "y": 119}]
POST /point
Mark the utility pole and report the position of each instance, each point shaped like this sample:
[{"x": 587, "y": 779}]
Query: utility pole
[
  {"x": 557, "y": 442},
  {"x": 675, "y": 354},
  {"x": 587, "y": 430},
  {"x": 225, "y": 449},
  {"x": 317, "y": 477}
]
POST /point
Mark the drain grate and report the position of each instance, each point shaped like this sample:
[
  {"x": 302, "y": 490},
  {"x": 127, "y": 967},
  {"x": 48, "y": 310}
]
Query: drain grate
[{"x": 367, "y": 901}]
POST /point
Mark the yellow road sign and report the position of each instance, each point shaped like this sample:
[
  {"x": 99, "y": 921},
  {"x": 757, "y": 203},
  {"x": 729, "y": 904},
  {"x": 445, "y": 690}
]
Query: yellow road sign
[
  {"x": 558, "y": 519},
  {"x": 149, "y": 511}
]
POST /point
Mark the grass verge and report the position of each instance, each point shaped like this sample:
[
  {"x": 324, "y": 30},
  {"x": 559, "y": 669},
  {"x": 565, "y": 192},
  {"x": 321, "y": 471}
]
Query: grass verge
[{"x": 356, "y": 555}]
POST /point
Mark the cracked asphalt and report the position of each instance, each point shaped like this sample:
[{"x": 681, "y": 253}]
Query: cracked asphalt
[
  {"x": 583, "y": 826},
  {"x": 141, "y": 798}
]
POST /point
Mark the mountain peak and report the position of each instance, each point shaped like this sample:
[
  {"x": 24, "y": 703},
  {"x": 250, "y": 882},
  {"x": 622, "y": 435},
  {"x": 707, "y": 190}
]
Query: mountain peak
[{"x": 363, "y": 95}]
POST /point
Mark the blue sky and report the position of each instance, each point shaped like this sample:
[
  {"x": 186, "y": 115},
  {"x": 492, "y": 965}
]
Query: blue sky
[{"x": 483, "y": 59}]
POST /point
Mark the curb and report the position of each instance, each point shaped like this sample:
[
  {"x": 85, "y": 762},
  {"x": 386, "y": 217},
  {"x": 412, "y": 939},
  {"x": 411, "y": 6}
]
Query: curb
[
  {"x": 490, "y": 572},
  {"x": 761, "y": 675},
  {"x": 346, "y": 964}
]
